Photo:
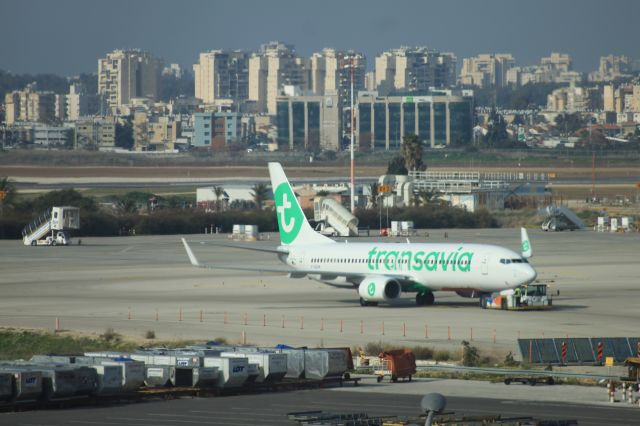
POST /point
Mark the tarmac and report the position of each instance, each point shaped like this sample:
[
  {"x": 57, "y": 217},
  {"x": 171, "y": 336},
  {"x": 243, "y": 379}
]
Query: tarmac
[
  {"x": 138, "y": 283},
  {"x": 385, "y": 399}
]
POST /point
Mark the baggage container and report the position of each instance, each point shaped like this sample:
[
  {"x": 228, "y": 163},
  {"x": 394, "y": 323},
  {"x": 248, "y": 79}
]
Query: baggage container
[
  {"x": 295, "y": 362},
  {"x": 132, "y": 372},
  {"x": 189, "y": 377},
  {"x": 59, "y": 382},
  {"x": 27, "y": 382},
  {"x": 322, "y": 364},
  {"x": 233, "y": 372},
  {"x": 272, "y": 365},
  {"x": 6, "y": 386},
  {"x": 109, "y": 379},
  {"x": 205, "y": 377},
  {"x": 158, "y": 376}
]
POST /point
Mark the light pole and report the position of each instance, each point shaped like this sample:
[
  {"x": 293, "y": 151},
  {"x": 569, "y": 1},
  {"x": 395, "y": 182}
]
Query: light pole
[{"x": 353, "y": 183}]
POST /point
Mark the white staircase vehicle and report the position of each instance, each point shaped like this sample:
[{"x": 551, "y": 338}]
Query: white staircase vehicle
[
  {"x": 336, "y": 216},
  {"x": 56, "y": 219}
]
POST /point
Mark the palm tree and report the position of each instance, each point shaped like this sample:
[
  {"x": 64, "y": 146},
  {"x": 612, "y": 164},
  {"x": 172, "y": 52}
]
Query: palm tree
[
  {"x": 425, "y": 197},
  {"x": 219, "y": 192},
  {"x": 259, "y": 193},
  {"x": 373, "y": 194},
  {"x": 411, "y": 151}
]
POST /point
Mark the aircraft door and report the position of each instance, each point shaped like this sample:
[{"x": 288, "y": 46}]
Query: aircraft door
[{"x": 485, "y": 265}]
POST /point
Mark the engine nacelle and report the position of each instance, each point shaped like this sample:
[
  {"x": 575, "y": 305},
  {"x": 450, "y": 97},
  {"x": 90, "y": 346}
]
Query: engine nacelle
[{"x": 379, "y": 289}]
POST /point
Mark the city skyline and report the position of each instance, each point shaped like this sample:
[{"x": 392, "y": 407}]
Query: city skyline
[{"x": 63, "y": 37}]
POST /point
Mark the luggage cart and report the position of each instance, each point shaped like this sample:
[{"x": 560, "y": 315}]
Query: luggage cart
[{"x": 397, "y": 364}]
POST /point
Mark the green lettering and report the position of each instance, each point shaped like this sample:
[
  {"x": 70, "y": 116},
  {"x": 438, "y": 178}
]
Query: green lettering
[
  {"x": 465, "y": 266},
  {"x": 380, "y": 253},
  {"x": 433, "y": 255},
  {"x": 443, "y": 262},
  {"x": 391, "y": 260},
  {"x": 371, "y": 254},
  {"x": 417, "y": 262},
  {"x": 406, "y": 255}
]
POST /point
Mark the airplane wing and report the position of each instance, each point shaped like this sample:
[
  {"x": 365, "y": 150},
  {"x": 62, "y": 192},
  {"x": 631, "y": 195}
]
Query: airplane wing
[
  {"x": 293, "y": 273},
  {"x": 277, "y": 250}
]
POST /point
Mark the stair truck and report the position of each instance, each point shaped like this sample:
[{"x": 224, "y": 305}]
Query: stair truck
[
  {"x": 52, "y": 227},
  {"x": 530, "y": 297}
]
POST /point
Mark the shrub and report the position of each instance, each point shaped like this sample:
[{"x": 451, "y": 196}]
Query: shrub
[
  {"x": 470, "y": 355},
  {"x": 150, "y": 334}
]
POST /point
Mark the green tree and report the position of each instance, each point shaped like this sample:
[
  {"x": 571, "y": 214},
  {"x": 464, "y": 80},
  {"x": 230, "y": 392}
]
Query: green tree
[
  {"x": 124, "y": 135},
  {"x": 470, "y": 355},
  {"x": 569, "y": 123},
  {"x": 411, "y": 151},
  {"x": 259, "y": 192},
  {"x": 373, "y": 194},
  {"x": 497, "y": 136},
  {"x": 425, "y": 198},
  {"x": 397, "y": 166},
  {"x": 7, "y": 193},
  {"x": 127, "y": 206},
  {"x": 218, "y": 191}
]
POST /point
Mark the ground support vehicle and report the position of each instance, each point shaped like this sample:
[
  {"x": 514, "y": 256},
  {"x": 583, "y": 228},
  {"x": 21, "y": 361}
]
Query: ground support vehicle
[{"x": 529, "y": 297}]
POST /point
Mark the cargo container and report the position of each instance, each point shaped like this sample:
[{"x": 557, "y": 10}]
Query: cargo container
[
  {"x": 233, "y": 372},
  {"x": 27, "y": 382},
  {"x": 322, "y": 364},
  {"x": 272, "y": 366},
  {"x": 158, "y": 376},
  {"x": 6, "y": 387}
]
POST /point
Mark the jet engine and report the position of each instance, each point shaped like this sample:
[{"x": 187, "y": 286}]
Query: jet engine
[{"x": 379, "y": 289}]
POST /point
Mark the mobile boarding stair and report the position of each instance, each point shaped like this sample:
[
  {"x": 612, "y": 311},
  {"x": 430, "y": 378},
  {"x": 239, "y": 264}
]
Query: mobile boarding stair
[
  {"x": 558, "y": 218},
  {"x": 55, "y": 219},
  {"x": 334, "y": 215}
]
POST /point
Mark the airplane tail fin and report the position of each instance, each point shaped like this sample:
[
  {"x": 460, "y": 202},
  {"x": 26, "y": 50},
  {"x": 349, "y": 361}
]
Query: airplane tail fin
[
  {"x": 527, "y": 251},
  {"x": 293, "y": 225}
]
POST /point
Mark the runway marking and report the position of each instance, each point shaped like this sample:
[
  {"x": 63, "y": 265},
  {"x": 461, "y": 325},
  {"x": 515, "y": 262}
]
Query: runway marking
[{"x": 124, "y": 250}]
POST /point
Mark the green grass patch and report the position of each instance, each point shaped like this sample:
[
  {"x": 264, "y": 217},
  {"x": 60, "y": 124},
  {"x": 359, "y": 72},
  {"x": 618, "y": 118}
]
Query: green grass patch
[{"x": 23, "y": 344}]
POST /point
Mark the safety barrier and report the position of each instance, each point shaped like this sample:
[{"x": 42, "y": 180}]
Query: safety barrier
[{"x": 578, "y": 350}]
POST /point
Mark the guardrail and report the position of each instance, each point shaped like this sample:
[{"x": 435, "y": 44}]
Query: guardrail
[{"x": 514, "y": 372}]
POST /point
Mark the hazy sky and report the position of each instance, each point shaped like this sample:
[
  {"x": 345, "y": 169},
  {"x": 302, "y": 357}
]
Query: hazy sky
[{"x": 67, "y": 36}]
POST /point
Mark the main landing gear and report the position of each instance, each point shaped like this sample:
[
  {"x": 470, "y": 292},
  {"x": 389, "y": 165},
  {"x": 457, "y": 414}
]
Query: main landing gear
[
  {"x": 425, "y": 299},
  {"x": 367, "y": 303}
]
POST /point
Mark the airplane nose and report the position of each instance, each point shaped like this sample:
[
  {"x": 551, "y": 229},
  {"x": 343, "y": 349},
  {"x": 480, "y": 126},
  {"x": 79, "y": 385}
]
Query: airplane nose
[{"x": 530, "y": 274}]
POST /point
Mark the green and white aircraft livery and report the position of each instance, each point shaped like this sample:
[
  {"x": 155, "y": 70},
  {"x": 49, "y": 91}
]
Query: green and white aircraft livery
[{"x": 381, "y": 272}]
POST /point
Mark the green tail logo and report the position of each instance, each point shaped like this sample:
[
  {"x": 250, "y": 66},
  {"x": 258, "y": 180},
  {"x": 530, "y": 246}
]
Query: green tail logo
[
  {"x": 525, "y": 246},
  {"x": 290, "y": 217}
]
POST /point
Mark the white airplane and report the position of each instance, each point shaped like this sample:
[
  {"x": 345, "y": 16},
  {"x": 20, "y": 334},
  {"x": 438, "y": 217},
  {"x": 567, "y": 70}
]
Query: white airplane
[{"x": 381, "y": 272}]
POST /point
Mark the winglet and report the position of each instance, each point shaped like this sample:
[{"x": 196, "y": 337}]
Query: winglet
[
  {"x": 192, "y": 257},
  {"x": 527, "y": 252}
]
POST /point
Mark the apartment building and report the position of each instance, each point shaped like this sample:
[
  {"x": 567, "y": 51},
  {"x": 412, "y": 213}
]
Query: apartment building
[
  {"x": 486, "y": 70},
  {"x": 331, "y": 72},
  {"x": 222, "y": 75},
  {"x": 274, "y": 66},
  {"x": 414, "y": 69},
  {"x": 30, "y": 105},
  {"x": 127, "y": 74}
]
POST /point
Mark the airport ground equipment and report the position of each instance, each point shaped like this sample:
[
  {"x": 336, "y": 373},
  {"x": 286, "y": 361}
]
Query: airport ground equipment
[
  {"x": 580, "y": 350},
  {"x": 396, "y": 364},
  {"x": 6, "y": 387},
  {"x": 52, "y": 227},
  {"x": 334, "y": 218},
  {"x": 560, "y": 218},
  {"x": 27, "y": 382},
  {"x": 271, "y": 366},
  {"x": 530, "y": 297}
]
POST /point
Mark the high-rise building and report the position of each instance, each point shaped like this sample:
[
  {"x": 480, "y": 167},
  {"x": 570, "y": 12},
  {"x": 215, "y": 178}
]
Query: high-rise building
[
  {"x": 275, "y": 66},
  {"x": 30, "y": 105},
  {"x": 486, "y": 70},
  {"x": 77, "y": 102},
  {"x": 572, "y": 99},
  {"x": 556, "y": 68},
  {"x": 559, "y": 62},
  {"x": 331, "y": 72},
  {"x": 127, "y": 74},
  {"x": 222, "y": 75},
  {"x": 414, "y": 69},
  {"x": 612, "y": 67}
]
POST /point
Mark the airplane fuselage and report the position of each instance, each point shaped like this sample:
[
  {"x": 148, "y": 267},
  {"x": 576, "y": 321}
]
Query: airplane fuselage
[{"x": 455, "y": 267}]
